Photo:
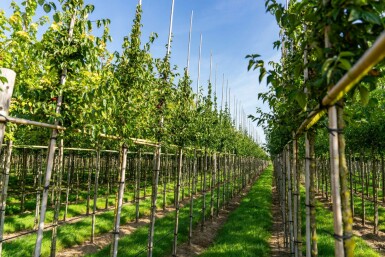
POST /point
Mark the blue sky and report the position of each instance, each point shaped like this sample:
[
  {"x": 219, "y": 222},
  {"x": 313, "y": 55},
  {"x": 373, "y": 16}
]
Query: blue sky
[{"x": 231, "y": 29}]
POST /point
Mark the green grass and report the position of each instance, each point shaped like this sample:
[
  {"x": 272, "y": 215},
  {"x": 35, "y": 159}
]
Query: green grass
[
  {"x": 76, "y": 233},
  {"x": 135, "y": 244},
  {"x": 324, "y": 219},
  {"x": 248, "y": 228}
]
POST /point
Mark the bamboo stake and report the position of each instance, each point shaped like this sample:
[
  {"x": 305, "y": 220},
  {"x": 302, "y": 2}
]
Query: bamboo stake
[
  {"x": 119, "y": 202},
  {"x": 5, "y": 180}
]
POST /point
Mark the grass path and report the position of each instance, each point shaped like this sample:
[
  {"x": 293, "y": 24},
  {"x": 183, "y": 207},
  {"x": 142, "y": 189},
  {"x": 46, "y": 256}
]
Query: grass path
[{"x": 248, "y": 228}]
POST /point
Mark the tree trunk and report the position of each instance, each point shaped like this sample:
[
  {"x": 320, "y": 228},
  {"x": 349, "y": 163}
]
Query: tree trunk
[
  {"x": 155, "y": 180},
  {"x": 96, "y": 187},
  {"x": 335, "y": 181},
  {"x": 59, "y": 176},
  {"x": 176, "y": 225},
  {"x": 5, "y": 180},
  {"x": 119, "y": 201},
  {"x": 137, "y": 185},
  {"x": 192, "y": 198}
]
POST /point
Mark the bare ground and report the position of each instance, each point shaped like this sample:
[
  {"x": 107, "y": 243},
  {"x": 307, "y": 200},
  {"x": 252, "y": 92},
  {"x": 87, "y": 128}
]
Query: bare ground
[{"x": 276, "y": 240}]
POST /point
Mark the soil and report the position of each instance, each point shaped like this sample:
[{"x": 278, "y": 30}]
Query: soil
[{"x": 277, "y": 239}]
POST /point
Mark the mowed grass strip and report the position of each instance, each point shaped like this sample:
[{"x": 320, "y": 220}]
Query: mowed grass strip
[
  {"x": 135, "y": 244},
  {"x": 248, "y": 228},
  {"x": 325, "y": 232},
  {"x": 77, "y": 233}
]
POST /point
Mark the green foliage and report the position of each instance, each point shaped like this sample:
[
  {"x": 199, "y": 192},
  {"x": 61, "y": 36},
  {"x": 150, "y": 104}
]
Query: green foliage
[
  {"x": 351, "y": 28},
  {"x": 123, "y": 94}
]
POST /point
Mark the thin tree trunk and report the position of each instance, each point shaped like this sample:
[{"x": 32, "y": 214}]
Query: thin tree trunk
[
  {"x": 335, "y": 181},
  {"x": 375, "y": 195},
  {"x": 213, "y": 181},
  {"x": 176, "y": 226},
  {"x": 137, "y": 189},
  {"x": 313, "y": 225},
  {"x": 90, "y": 164},
  {"x": 96, "y": 187},
  {"x": 204, "y": 192},
  {"x": 192, "y": 198},
  {"x": 347, "y": 216},
  {"x": 70, "y": 166},
  {"x": 362, "y": 190},
  {"x": 38, "y": 191},
  {"x": 119, "y": 201},
  {"x": 155, "y": 180},
  {"x": 57, "y": 188},
  {"x": 5, "y": 180}
]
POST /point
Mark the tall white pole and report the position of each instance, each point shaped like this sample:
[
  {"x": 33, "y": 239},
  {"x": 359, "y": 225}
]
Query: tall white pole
[
  {"x": 189, "y": 42},
  {"x": 170, "y": 30},
  {"x": 199, "y": 65},
  {"x": 223, "y": 85},
  {"x": 157, "y": 161}
]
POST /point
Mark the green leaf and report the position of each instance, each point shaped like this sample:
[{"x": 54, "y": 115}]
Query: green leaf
[
  {"x": 47, "y": 8},
  {"x": 40, "y": 2},
  {"x": 344, "y": 64},
  {"x": 371, "y": 18},
  {"x": 346, "y": 54},
  {"x": 300, "y": 97},
  {"x": 354, "y": 15},
  {"x": 364, "y": 94},
  {"x": 262, "y": 73},
  {"x": 56, "y": 17}
]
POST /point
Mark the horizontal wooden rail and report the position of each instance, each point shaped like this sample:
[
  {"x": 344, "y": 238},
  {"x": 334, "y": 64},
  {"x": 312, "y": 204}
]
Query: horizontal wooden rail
[
  {"x": 4, "y": 119},
  {"x": 371, "y": 57}
]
